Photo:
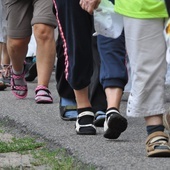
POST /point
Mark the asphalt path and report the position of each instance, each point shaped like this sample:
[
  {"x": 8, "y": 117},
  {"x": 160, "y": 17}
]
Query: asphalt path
[{"x": 125, "y": 153}]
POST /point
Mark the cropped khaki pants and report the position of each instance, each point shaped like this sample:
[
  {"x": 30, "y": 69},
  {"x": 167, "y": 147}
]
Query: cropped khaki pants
[{"x": 146, "y": 49}]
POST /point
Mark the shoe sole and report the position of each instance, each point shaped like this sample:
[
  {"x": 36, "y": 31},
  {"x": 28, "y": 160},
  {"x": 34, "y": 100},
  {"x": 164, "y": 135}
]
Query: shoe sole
[
  {"x": 116, "y": 125},
  {"x": 44, "y": 101},
  {"x": 159, "y": 153},
  {"x": 87, "y": 132},
  {"x": 18, "y": 96}
]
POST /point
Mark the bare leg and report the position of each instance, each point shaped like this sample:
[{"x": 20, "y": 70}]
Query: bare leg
[
  {"x": 45, "y": 56},
  {"x": 84, "y": 123},
  {"x": 114, "y": 123},
  {"x": 5, "y": 58},
  {"x": 154, "y": 120},
  {"x": 82, "y": 98},
  {"x": 113, "y": 97},
  {"x": 6, "y": 65},
  {"x": 17, "y": 50},
  {"x": 0, "y": 53}
]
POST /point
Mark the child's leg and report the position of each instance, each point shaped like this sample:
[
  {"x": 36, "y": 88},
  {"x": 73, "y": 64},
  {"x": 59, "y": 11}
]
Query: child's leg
[{"x": 146, "y": 50}]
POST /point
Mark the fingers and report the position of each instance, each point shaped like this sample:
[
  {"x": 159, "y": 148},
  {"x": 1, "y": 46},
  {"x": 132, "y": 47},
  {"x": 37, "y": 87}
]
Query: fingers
[
  {"x": 82, "y": 4},
  {"x": 85, "y": 5},
  {"x": 89, "y": 5}
]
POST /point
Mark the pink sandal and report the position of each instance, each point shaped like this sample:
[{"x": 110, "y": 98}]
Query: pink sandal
[
  {"x": 16, "y": 87},
  {"x": 43, "y": 95}
]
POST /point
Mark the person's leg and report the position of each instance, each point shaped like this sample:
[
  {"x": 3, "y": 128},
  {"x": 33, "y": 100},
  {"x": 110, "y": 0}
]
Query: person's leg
[
  {"x": 113, "y": 77},
  {"x": 4, "y": 57},
  {"x": 45, "y": 55},
  {"x": 44, "y": 23},
  {"x": 17, "y": 49},
  {"x": 17, "y": 42},
  {"x": 2, "y": 84},
  {"x": 67, "y": 105},
  {"x": 6, "y": 78},
  {"x": 1, "y": 32},
  {"x": 148, "y": 66},
  {"x": 85, "y": 118},
  {"x": 78, "y": 58},
  {"x": 67, "y": 98},
  {"x": 0, "y": 53}
]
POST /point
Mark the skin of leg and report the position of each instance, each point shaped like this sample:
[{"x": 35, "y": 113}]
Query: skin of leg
[
  {"x": 5, "y": 58},
  {"x": 113, "y": 95},
  {"x": 46, "y": 50},
  {"x": 82, "y": 98},
  {"x": 0, "y": 52},
  {"x": 17, "y": 50},
  {"x": 154, "y": 120}
]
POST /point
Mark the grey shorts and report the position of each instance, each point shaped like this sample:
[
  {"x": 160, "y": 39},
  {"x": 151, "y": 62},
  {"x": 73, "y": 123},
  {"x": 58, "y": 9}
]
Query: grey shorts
[{"x": 23, "y": 14}]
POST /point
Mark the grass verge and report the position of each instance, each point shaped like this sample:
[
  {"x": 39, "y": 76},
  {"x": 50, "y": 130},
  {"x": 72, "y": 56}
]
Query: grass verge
[{"x": 54, "y": 159}]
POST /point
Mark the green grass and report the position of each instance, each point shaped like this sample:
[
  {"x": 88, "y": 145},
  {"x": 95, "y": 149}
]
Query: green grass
[
  {"x": 21, "y": 144},
  {"x": 57, "y": 159}
]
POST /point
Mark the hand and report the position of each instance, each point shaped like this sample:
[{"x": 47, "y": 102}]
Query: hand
[{"x": 89, "y": 5}]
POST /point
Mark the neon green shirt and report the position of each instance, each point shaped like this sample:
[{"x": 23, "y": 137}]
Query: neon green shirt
[{"x": 141, "y": 8}]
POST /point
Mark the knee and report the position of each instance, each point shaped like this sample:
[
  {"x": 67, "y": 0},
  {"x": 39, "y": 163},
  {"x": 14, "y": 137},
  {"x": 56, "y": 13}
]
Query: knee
[{"x": 43, "y": 32}]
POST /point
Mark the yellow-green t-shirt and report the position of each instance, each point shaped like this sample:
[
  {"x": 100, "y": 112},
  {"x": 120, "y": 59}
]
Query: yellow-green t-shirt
[{"x": 141, "y": 8}]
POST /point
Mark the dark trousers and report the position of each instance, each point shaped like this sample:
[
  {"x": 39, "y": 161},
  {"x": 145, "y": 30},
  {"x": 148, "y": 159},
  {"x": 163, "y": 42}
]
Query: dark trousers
[
  {"x": 96, "y": 93},
  {"x": 113, "y": 71},
  {"x": 75, "y": 26}
]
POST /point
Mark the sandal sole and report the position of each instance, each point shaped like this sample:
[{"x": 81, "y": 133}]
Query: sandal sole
[
  {"x": 159, "y": 153},
  {"x": 116, "y": 125},
  {"x": 87, "y": 132},
  {"x": 43, "y": 97},
  {"x": 19, "y": 97},
  {"x": 43, "y": 102}
]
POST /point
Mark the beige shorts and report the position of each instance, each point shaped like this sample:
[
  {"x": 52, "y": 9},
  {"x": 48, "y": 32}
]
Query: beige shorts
[
  {"x": 147, "y": 54},
  {"x": 23, "y": 14}
]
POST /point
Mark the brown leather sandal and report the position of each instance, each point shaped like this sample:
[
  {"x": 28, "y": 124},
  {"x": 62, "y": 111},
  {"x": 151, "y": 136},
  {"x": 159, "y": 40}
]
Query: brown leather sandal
[{"x": 157, "y": 145}]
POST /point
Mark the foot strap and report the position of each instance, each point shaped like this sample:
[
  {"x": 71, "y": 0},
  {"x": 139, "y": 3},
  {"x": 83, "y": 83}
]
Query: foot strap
[
  {"x": 157, "y": 144},
  {"x": 43, "y": 95},
  {"x": 89, "y": 128}
]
